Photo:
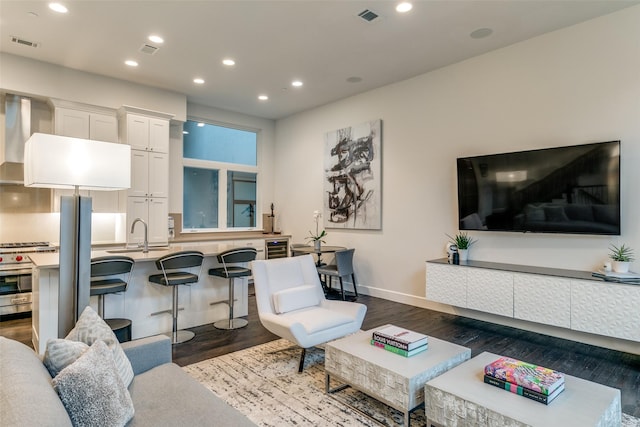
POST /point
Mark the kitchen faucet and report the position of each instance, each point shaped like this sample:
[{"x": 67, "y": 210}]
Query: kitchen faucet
[{"x": 145, "y": 244}]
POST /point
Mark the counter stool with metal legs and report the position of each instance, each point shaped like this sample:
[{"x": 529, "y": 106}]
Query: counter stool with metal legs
[
  {"x": 233, "y": 256},
  {"x": 102, "y": 283},
  {"x": 170, "y": 277}
]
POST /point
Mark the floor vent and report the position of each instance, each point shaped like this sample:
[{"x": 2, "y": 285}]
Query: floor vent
[
  {"x": 24, "y": 42},
  {"x": 148, "y": 49},
  {"x": 368, "y": 15}
]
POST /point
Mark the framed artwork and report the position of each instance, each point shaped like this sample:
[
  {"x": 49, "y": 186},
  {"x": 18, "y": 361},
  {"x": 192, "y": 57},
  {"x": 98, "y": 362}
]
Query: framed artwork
[{"x": 353, "y": 177}]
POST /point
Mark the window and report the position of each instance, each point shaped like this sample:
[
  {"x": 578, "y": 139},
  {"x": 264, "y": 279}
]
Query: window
[{"x": 214, "y": 158}]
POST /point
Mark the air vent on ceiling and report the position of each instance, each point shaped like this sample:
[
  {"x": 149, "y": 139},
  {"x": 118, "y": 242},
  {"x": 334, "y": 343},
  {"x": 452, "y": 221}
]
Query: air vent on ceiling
[
  {"x": 368, "y": 15},
  {"x": 24, "y": 42},
  {"x": 148, "y": 49}
]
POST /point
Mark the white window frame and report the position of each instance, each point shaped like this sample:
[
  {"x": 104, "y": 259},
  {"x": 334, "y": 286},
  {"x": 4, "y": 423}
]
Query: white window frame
[{"x": 223, "y": 168}]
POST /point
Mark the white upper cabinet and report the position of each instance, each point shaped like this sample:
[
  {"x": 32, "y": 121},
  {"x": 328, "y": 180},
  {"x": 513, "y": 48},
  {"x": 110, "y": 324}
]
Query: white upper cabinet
[
  {"x": 84, "y": 121},
  {"x": 145, "y": 130}
]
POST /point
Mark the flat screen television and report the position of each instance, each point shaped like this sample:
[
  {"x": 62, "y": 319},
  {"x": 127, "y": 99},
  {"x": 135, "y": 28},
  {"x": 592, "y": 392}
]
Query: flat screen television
[{"x": 574, "y": 189}]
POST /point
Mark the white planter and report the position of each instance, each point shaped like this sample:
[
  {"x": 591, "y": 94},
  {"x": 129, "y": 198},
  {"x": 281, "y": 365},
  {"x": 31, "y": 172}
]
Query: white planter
[
  {"x": 464, "y": 254},
  {"x": 316, "y": 245},
  {"x": 620, "y": 266}
]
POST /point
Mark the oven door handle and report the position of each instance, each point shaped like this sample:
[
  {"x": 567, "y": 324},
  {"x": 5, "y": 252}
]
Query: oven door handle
[{"x": 21, "y": 272}]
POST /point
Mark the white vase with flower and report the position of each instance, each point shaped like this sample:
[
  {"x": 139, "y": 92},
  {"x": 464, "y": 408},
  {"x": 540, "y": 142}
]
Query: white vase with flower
[{"x": 318, "y": 237}]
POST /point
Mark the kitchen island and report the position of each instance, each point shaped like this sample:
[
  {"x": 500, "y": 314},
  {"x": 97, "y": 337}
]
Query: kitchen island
[{"x": 147, "y": 305}]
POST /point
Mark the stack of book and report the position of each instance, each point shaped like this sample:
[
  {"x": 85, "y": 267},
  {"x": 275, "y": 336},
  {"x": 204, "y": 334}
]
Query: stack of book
[
  {"x": 400, "y": 341},
  {"x": 526, "y": 379},
  {"x": 612, "y": 276}
]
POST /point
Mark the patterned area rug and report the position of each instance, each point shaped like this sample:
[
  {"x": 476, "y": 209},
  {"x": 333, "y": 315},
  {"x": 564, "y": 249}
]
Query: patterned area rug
[{"x": 263, "y": 383}]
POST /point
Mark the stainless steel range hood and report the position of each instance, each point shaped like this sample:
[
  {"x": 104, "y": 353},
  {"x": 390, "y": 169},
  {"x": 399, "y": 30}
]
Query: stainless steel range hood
[{"x": 17, "y": 129}]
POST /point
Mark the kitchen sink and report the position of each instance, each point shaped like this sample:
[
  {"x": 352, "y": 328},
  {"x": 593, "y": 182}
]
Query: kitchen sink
[{"x": 124, "y": 251}]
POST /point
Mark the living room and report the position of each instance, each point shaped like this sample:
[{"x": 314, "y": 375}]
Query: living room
[{"x": 572, "y": 86}]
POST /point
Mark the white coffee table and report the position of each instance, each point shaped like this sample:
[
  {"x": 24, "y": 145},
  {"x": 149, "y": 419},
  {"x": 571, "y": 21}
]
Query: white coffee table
[
  {"x": 461, "y": 398},
  {"x": 390, "y": 378}
]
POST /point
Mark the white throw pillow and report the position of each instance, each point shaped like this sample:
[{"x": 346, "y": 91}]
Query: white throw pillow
[
  {"x": 295, "y": 298},
  {"x": 92, "y": 392},
  {"x": 90, "y": 328}
]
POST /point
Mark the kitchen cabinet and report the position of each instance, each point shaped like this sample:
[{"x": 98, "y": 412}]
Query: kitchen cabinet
[
  {"x": 148, "y": 134},
  {"x": 154, "y": 211},
  {"x": 85, "y": 121}
]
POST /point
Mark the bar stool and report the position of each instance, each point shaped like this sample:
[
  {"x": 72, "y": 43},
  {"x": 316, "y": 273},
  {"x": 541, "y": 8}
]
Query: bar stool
[
  {"x": 170, "y": 277},
  {"x": 342, "y": 268},
  {"x": 233, "y": 256},
  {"x": 102, "y": 268}
]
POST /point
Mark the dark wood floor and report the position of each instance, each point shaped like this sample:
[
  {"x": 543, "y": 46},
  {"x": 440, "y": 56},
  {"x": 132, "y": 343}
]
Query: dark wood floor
[{"x": 612, "y": 368}]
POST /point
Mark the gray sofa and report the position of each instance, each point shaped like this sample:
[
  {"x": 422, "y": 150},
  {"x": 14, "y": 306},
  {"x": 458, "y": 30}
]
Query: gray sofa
[{"x": 162, "y": 393}]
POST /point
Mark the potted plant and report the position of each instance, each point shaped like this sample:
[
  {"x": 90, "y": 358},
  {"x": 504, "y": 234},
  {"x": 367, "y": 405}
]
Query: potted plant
[
  {"x": 317, "y": 238},
  {"x": 463, "y": 242},
  {"x": 621, "y": 257}
]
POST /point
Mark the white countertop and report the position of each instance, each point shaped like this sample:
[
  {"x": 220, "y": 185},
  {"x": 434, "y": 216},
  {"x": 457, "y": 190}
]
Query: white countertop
[{"x": 51, "y": 260}]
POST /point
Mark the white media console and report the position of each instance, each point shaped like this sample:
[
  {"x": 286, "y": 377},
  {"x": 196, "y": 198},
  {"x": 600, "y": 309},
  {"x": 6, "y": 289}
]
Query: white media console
[{"x": 564, "y": 298}]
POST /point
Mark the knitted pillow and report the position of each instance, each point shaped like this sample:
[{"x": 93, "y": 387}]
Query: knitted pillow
[
  {"x": 91, "y": 328},
  {"x": 91, "y": 390},
  {"x": 62, "y": 353}
]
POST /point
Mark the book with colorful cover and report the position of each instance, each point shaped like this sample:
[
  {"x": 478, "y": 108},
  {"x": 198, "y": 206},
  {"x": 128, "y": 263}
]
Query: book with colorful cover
[
  {"x": 522, "y": 391},
  {"x": 396, "y": 350},
  {"x": 527, "y": 375},
  {"x": 401, "y": 338}
]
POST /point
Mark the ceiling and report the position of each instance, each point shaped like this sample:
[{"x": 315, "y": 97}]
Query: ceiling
[{"x": 325, "y": 44}]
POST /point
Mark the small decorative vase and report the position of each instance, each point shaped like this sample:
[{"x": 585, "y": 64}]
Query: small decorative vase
[
  {"x": 620, "y": 266},
  {"x": 316, "y": 245},
  {"x": 464, "y": 254}
]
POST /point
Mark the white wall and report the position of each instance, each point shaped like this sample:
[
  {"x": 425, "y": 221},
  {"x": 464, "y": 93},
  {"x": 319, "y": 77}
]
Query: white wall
[{"x": 573, "y": 86}]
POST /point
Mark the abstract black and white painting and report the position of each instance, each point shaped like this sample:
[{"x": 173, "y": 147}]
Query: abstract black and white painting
[{"x": 353, "y": 182}]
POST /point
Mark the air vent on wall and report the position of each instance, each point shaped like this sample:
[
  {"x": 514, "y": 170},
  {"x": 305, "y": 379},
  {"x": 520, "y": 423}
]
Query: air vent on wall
[
  {"x": 368, "y": 15},
  {"x": 24, "y": 42},
  {"x": 148, "y": 49}
]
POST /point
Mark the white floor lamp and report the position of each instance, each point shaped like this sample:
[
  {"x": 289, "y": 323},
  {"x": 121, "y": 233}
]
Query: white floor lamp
[{"x": 53, "y": 161}]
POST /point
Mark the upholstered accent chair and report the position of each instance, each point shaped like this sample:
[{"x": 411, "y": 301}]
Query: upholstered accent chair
[{"x": 292, "y": 305}]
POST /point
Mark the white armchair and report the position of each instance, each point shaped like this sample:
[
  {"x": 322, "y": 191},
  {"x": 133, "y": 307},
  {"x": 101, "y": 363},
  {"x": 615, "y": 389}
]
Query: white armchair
[{"x": 291, "y": 304}]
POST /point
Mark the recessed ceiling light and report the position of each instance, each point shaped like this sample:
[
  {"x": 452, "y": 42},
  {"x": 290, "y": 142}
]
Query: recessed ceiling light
[
  {"x": 263, "y": 97},
  {"x": 200, "y": 125},
  {"x": 296, "y": 83},
  {"x": 403, "y": 7},
  {"x": 228, "y": 62},
  {"x": 57, "y": 7},
  {"x": 156, "y": 39},
  {"x": 131, "y": 63},
  {"x": 198, "y": 81},
  {"x": 481, "y": 33}
]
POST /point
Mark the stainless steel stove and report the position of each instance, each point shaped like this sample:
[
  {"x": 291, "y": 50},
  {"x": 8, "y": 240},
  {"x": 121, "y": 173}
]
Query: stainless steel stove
[{"x": 15, "y": 275}]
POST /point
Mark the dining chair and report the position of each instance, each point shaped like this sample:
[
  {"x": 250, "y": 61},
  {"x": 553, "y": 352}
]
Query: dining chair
[{"x": 343, "y": 267}]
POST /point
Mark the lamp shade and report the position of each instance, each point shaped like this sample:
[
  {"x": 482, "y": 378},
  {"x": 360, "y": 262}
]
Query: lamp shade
[{"x": 54, "y": 161}]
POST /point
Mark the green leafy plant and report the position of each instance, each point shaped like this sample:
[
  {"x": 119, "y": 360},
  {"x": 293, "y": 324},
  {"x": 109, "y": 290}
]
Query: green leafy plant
[
  {"x": 319, "y": 234},
  {"x": 621, "y": 254},
  {"x": 462, "y": 240}
]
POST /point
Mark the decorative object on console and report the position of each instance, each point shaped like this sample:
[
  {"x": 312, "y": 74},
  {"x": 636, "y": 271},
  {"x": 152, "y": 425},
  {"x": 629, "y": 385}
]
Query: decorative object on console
[
  {"x": 53, "y": 161},
  {"x": 463, "y": 242},
  {"x": 352, "y": 177},
  {"x": 621, "y": 257}
]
